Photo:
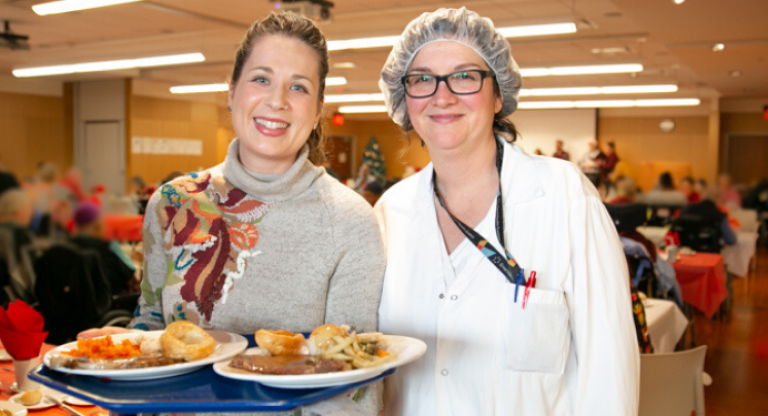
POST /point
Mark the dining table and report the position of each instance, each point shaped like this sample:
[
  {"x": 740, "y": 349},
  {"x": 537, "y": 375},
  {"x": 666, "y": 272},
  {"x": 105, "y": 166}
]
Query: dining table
[
  {"x": 702, "y": 278},
  {"x": 666, "y": 324},
  {"x": 8, "y": 377}
]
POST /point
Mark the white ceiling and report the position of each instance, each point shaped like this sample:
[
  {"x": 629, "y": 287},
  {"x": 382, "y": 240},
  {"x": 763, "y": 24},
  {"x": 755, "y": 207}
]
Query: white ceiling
[{"x": 673, "y": 42}]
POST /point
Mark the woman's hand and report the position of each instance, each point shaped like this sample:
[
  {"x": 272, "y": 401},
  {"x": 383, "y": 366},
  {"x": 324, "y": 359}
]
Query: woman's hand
[{"x": 100, "y": 332}]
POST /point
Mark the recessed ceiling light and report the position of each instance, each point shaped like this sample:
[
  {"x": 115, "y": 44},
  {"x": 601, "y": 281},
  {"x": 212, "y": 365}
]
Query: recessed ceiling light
[
  {"x": 344, "y": 65},
  {"x": 717, "y": 47},
  {"x": 734, "y": 73},
  {"x": 678, "y": 1},
  {"x": 65, "y": 6},
  {"x": 508, "y": 32},
  {"x": 624, "y": 89},
  {"x": 223, "y": 86},
  {"x": 353, "y": 98},
  {"x": 581, "y": 70},
  {"x": 335, "y": 81},
  {"x": 351, "y": 109},
  {"x": 672, "y": 102},
  {"x": 109, "y": 65},
  {"x": 612, "y": 50}
]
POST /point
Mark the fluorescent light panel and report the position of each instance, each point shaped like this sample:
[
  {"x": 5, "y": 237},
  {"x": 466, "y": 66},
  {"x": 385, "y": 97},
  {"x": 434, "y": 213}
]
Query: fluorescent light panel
[
  {"x": 359, "y": 109},
  {"x": 65, "y": 6},
  {"x": 671, "y": 102},
  {"x": 581, "y": 70},
  {"x": 353, "y": 98},
  {"x": 507, "y": 32},
  {"x": 627, "y": 89},
  {"x": 109, "y": 65},
  {"x": 191, "y": 89}
]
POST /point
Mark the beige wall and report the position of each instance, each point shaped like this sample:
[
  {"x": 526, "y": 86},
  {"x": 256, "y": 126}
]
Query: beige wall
[
  {"x": 162, "y": 118},
  {"x": 33, "y": 130},
  {"x": 639, "y": 140}
]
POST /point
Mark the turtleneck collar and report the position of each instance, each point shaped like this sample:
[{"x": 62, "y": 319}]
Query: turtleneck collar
[{"x": 270, "y": 188}]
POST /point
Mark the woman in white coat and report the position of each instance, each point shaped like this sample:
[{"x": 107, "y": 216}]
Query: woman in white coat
[{"x": 465, "y": 235}]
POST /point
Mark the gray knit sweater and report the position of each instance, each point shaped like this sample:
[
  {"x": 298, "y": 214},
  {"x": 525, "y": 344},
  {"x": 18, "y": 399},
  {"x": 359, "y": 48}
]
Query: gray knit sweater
[{"x": 236, "y": 251}]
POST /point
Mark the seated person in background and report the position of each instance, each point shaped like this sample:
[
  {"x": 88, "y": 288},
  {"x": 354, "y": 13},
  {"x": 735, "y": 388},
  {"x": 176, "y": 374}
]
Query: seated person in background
[
  {"x": 726, "y": 194},
  {"x": 15, "y": 216},
  {"x": 757, "y": 197},
  {"x": 686, "y": 187},
  {"x": 626, "y": 191},
  {"x": 118, "y": 268},
  {"x": 700, "y": 187},
  {"x": 665, "y": 193},
  {"x": 706, "y": 210},
  {"x": 373, "y": 191}
]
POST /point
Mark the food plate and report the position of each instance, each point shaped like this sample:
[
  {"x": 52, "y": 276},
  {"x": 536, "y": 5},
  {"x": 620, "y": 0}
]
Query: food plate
[
  {"x": 16, "y": 409},
  {"x": 4, "y": 356},
  {"x": 405, "y": 349},
  {"x": 44, "y": 403},
  {"x": 227, "y": 346}
]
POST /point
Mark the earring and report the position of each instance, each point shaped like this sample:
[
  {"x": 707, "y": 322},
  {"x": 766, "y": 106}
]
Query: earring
[
  {"x": 229, "y": 108},
  {"x": 315, "y": 126}
]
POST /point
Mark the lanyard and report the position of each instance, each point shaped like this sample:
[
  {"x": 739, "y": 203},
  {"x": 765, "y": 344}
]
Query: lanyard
[{"x": 506, "y": 264}]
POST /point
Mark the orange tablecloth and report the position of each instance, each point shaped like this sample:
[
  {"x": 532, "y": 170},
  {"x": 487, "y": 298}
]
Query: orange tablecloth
[
  {"x": 702, "y": 280},
  {"x": 7, "y": 377},
  {"x": 123, "y": 227}
]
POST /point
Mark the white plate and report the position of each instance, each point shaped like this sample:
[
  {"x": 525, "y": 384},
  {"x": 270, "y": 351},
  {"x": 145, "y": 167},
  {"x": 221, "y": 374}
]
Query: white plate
[
  {"x": 405, "y": 349},
  {"x": 227, "y": 346},
  {"x": 76, "y": 402},
  {"x": 4, "y": 356},
  {"x": 44, "y": 403},
  {"x": 16, "y": 409}
]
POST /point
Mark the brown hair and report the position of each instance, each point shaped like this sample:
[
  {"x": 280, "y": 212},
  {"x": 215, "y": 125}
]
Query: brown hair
[{"x": 297, "y": 27}]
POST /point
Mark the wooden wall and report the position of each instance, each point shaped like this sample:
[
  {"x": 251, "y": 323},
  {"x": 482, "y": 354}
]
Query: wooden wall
[
  {"x": 162, "y": 118},
  {"x": 34, "y": 129}
]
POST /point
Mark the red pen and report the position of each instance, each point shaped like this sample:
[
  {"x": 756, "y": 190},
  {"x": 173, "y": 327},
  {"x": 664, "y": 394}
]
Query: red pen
[{"x": 528, "y": 285}]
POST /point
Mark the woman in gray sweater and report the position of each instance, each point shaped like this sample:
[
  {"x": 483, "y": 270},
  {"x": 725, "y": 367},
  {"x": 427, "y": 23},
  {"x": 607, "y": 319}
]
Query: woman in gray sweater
[{"x": 265, "y": 239}]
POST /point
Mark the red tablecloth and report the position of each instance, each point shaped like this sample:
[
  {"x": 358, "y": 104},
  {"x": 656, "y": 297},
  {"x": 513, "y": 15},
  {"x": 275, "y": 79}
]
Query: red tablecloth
[
  {"x": 123, "y": 227},
  {"x": 702, "y": 280}
]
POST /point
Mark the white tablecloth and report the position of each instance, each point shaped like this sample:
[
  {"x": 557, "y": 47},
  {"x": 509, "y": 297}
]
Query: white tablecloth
[
  {"x": 738, "y": 256},
  {"x": 666, "y": 324}
]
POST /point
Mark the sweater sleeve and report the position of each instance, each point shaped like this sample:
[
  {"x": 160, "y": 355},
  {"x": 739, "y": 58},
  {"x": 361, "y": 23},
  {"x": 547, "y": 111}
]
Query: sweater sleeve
[
  {"x": 602, "y": 329},
  {"x": 149, "y": 312}
]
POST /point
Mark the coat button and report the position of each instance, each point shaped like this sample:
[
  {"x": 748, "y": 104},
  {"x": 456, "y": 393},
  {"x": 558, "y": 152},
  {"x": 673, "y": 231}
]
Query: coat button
[
  {"x": 441, "y": 296},
  {"x": 454, "y": 297},
  {"x": 444, "y": 372}
]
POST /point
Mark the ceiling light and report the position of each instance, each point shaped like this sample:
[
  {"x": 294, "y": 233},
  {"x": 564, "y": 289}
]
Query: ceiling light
[
  {"x": 344, "y": 65},
  {"x": 627, "y": 89},
  {"x": 537, "y": 30},
  {"x": 678, "y": 1},
  {"x": 360, "y": 109},
  {"x": 734, "y": 73},
  {"x": 608, "y": 51},
  {"x": 335, "y": 81},
  {"x": 672, "y": 102},
  {"x": 718, "y": 47},
  {"x": 218, "y": 87},
  {"x": 64, "y": 6},
  {"x": 353, "y": 98},
  {"x": 190, "y": 89},
  {"x": 109, "y": 65},
  {"x": 581, "y": 70},
  {"x": 507, "y": 32}
]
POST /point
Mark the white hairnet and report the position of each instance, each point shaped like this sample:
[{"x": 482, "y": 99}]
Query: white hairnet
[{"x": 457, "y": 25}]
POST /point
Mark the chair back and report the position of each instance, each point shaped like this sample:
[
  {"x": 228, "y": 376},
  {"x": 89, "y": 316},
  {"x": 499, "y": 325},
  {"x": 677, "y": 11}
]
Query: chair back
[
  {"x": 747, "y": 218},
  {"x": 671, "y": 384},
  {"x": 627, "y": 217},
  {"x": 72, "y": 291}
]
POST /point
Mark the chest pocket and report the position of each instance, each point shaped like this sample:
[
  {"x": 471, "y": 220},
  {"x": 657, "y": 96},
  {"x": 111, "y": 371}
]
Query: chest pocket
[{"x": 537, "y": 338}]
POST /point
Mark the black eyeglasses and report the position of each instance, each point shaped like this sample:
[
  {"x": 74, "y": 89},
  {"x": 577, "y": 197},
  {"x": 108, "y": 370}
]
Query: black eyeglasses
[{"x": 460, "y": 83}]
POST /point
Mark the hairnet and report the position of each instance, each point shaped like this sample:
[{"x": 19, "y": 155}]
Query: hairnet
[{"x": 457, "y": 25}]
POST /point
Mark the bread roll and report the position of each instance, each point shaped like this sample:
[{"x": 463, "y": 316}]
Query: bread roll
[
  {"x": 31, "y": 397},
  {"x": 279, "y": 342}
]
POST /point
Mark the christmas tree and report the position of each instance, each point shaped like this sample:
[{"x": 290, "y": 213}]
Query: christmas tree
[{"x": 375, "y": 162}]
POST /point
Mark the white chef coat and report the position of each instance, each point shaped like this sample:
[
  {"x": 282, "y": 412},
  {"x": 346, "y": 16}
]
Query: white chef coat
[{"x": 571, "y": 351}]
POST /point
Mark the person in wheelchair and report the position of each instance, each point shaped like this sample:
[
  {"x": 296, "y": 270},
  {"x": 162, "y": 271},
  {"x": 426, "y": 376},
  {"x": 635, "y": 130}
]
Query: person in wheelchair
[{"x": 702, "y": 227}]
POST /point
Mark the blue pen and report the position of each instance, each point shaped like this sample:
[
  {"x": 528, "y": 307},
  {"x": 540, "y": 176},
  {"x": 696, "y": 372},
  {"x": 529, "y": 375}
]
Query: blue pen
[{"x": 520, "y": 282}]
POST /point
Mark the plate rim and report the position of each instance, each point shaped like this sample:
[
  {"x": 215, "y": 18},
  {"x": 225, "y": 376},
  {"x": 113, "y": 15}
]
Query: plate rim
[
  {"x": 138, "y": 374},
  {"x": 17, "y": 409},
  {"x": 306, "y": 380}
]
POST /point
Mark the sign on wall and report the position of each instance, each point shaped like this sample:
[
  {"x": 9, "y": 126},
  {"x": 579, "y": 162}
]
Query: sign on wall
[{"x": 163, "y": 146}]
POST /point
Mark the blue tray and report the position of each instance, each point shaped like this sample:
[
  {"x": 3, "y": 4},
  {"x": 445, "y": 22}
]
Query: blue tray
[{"x": 200, "y": 391}]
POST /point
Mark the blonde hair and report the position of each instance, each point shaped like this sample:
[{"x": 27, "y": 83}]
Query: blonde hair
[{"x": 13, "y": 201}]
